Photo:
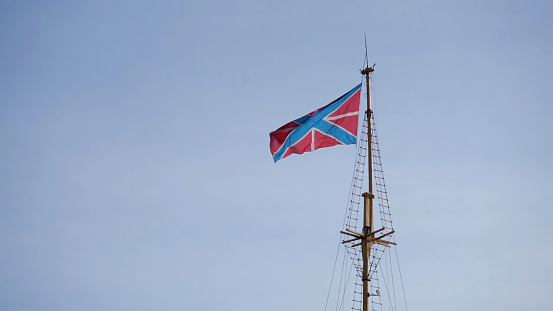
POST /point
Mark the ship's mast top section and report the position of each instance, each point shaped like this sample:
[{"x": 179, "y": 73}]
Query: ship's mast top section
[
  {"x": 367, "y": 70},
  {"x": 369, "y": 235}
]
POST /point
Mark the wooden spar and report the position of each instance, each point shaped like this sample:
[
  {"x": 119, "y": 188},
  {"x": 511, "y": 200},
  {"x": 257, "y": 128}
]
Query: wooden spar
[
  {"x": 367, "y": 238},
  {"x": 368, "y": 227}
]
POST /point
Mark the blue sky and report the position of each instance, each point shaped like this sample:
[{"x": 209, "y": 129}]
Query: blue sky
[{"x": 135, "y": 171}]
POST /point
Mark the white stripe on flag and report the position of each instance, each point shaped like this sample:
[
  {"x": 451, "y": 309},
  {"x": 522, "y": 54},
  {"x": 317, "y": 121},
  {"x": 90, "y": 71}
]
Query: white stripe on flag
[
  {"x": 342, "y": 115},
  {"x": 312, "y": 139}
]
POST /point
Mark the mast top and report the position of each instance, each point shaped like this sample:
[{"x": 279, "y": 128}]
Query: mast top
[{"x": 367, "y": 70}]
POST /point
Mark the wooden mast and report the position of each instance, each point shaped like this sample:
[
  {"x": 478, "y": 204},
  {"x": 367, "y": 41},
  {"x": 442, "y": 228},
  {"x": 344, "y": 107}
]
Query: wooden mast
[
  {"x": 368, "y": 223},
  {"x": 367, "y": 236}
]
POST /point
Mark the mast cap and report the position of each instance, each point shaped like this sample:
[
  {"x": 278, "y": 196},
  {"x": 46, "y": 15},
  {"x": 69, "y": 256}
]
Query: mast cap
[{"x": 367, "y": 70}]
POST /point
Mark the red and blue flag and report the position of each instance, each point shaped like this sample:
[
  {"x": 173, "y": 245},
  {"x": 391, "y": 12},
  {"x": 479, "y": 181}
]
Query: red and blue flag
[{"x": 331, "y": 125}]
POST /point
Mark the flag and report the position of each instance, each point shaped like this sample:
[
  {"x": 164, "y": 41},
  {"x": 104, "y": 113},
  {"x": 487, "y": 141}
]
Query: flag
[{"x": 333, "y": 124}]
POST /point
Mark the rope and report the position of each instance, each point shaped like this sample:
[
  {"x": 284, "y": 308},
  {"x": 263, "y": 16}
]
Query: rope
[
  {"x": 401, "y": 281},
  {"x": 392, "y": 280},
  {"x": 332, "y": 277}
]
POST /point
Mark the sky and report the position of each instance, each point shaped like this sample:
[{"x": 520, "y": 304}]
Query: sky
[{"x": 135, "y": 171}]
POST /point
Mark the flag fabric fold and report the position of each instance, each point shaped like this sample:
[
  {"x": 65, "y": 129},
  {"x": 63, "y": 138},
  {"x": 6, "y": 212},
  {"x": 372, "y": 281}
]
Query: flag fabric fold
[{"x": 331, "y": 125}]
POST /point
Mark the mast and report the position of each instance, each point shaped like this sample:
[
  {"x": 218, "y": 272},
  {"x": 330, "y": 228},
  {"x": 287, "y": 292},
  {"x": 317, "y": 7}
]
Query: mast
[
  {"x": 368, "y": 223},
  {"x": 367, "y": 237}
]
